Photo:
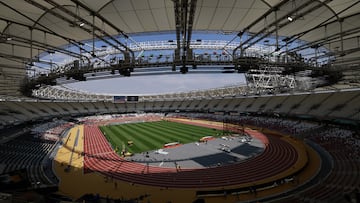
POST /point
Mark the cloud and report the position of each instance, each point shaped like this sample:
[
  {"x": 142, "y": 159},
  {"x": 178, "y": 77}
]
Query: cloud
[{"x": 158, "y": 84}]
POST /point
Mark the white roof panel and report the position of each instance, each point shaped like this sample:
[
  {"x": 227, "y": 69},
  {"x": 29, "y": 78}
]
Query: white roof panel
[{"x": 139, "y": 16}]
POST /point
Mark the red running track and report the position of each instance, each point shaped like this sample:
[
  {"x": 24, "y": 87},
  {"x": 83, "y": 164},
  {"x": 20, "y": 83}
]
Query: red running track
[{"x": 277, "y": 157}]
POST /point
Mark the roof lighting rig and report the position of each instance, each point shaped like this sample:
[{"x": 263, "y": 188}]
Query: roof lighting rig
[{"x": 184, "y": 19}]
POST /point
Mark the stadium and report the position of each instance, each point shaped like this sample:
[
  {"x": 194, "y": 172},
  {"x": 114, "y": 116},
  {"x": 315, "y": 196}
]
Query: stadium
[{"x": 173, "y": 101}]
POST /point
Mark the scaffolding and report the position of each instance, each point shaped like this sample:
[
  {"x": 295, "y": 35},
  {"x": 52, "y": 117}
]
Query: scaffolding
[{"x": 269, "y": 79}]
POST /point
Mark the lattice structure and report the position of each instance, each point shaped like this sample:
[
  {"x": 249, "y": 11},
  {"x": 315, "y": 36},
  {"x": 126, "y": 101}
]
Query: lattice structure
[
  {"x": 140, "y": 47},
  {"x": 63, "y": 93},
  {"x": 201, "y": 94},
  {"x": 170, "y": 45},
  {"x": 270, "y": 79}
]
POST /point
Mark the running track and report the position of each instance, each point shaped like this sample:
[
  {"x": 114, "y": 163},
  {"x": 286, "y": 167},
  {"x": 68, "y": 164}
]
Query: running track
[{"x": 278, "y": 156}]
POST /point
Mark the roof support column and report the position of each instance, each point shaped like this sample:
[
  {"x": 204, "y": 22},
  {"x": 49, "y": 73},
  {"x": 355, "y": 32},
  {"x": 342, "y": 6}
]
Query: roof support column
[
  {"x": 277, "y": 30},
  {"x": 178, "y": 30},
  {"x": 31, "y": 46},
  {"x": 341, "y": 35},
  {"x": 93, "y": 35},
  {"x": 184, "y": 7},
  {"x": 184, "y": 18}
]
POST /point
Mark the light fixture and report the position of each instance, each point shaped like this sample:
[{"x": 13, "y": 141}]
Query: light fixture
[
  {"x": 315, "y": 46},
  {"x": 290, "y": 18},
  {"x": 81, "y": 24},
  {"x": 9, "y": 38}
]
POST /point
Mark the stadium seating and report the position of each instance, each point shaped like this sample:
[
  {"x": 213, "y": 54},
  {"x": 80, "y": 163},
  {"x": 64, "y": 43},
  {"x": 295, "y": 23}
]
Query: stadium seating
[
  {"x": 189, "y": 104},
  {"x": 273, "y": 104},
  {"x": 344, "y": 147},
  {"x": 330, "y": 105},
  {"x": 347, "y": 106},
  {"x": 310, "y": 104},
  {"x": 26, "y": 152},
  {"x": 231, "y": 105},
  {"x": 56, "y": 108},
  {"x": 291, "y": 101}
]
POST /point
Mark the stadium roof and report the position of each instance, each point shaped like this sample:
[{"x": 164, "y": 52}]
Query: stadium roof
[{"x": 29, "y": 27}]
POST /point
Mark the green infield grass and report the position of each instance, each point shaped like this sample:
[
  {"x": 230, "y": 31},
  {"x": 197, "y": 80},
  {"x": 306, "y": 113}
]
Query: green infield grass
[{"x": 153, "y": 135}]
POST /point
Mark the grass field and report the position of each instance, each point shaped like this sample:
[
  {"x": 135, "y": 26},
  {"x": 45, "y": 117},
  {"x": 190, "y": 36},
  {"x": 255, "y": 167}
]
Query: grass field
[{"x": 153, "y": 135}]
